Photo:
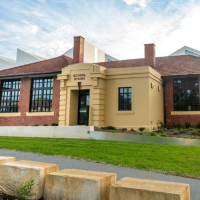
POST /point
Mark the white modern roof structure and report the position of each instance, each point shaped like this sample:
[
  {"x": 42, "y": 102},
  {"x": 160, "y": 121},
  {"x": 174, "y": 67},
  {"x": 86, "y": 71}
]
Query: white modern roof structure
[
  {"x": 23, "y": 58},
  {"x": 92, "y": 54},
  {"x": 186, "y": 51}
]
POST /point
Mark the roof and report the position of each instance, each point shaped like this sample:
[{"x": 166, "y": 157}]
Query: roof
[
  {"x": 47, "y": 66},
  {"x": 166, "y": 66}
]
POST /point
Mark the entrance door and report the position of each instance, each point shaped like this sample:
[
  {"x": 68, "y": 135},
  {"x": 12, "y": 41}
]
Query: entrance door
[{"x": 83, "y": 107}]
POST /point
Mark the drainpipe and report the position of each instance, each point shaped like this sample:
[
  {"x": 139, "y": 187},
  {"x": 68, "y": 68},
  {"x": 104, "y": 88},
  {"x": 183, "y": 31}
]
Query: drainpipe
[{"x": 164, "y": 105}]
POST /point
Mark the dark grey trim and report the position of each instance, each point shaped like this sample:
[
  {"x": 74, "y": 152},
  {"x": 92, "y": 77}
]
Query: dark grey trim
[{"x": 30, "y": 75}]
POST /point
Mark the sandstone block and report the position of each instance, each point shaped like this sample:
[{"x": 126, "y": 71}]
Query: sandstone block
[
  {"x": 6, "y": 159},
  {"x": 16, "y": 173},
  {"x": 72, "y": 184},
  {"x": 139, "y": 189}
]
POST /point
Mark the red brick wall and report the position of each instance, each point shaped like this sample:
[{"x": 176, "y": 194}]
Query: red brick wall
[
  {"x": 78, "y": 53},
  {"x": 24, "y": 104},
  {"x": 171, "y": 120}
]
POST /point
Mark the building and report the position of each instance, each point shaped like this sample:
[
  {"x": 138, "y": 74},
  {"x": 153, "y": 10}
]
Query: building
[
  {"x": 92, "y": 54},
  {"x": 186, "y": 51},
  {"x": 125, "y": 94}
]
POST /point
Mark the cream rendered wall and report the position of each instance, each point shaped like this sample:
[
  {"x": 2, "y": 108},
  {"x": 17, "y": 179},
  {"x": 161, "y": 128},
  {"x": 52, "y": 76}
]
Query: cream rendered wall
[
  {"x": 156, "y": 95},
  {"x": 147, "y": 103}
]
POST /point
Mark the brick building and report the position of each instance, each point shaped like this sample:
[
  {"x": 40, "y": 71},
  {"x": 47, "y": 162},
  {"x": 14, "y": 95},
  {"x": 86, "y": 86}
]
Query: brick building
[{"x": 127, "y": 93}]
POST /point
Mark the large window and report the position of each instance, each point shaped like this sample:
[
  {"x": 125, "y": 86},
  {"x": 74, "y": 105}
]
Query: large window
[
  {"x": 186, "y": 94},
  {"x": 10, "y": 93},
  {"x": 42, "y": 92},
  {"x": 125, "y": 98}
]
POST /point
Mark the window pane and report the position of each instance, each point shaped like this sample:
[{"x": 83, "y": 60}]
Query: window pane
[
  {"x": 186, "y": 94},
  {"x": 10, "y": 93},
  {"x": 42, "y": 91},
  {"x": 125, "y": 98}
]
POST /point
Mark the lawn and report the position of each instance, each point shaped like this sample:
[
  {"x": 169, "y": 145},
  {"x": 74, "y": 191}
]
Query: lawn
[{"x": 169, "y": 159}]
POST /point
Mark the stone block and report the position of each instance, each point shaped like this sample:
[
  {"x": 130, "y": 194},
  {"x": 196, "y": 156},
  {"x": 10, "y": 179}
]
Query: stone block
[
  {"x": 72, "y": 184},
  {"x": 139, "y": 189},
  {"x": 6, "y": 159},
  {"x": 12, "y": 175}
]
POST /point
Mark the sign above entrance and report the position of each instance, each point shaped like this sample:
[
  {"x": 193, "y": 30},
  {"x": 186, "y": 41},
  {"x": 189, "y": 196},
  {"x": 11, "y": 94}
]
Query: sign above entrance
[{"x": 78, "y": 77}]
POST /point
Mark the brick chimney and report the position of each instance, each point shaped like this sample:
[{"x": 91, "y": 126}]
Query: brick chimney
[
  {"x": 150, "y": 55},
  {"x": 78, "y": 54}
]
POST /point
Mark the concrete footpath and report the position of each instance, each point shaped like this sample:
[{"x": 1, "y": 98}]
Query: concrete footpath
[{"x": 66, "y": 163}]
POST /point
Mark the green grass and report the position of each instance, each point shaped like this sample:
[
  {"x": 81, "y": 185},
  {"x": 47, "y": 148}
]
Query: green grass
[{"x": 169, "y": 159}]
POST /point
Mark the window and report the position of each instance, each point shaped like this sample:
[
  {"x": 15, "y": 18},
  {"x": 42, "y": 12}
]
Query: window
[
  {"x": 42, "y": 92},
  {"x": 10, "y": 93},
  {"x": 125, "y": 98},
  {"x": 186, "y": 94}
]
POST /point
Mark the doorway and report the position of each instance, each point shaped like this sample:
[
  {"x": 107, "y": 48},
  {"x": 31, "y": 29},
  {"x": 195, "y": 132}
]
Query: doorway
[{"x": 83, "y": 107}]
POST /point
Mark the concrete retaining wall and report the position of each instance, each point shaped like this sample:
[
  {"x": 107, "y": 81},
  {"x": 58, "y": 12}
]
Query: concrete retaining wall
[{"x": 81, "y": 132}]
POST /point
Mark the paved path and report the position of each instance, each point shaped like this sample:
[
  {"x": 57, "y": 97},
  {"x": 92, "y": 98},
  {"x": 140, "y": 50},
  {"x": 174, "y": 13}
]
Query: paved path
[{"x": 65, "y": 163}]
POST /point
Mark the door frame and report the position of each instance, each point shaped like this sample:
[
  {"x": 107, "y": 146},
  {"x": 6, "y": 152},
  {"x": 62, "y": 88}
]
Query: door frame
[{"x": 87, "y": 108}]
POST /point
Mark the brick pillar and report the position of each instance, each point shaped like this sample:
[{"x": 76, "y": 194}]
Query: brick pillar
[
  {"x": 150, "y": 55},
  {"x": 25, "y": 95},
  {"x": 78, "y": 54}
]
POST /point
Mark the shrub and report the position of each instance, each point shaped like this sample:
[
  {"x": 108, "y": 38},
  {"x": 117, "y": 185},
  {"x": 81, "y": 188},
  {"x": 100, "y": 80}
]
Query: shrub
[
  {"x": 24, "y": 190},
  {"x": 153, "y": 134},
  {"x": 45, "y": 125},
  {"x": 141, "y": 133},
  {"x": 111, "y": 128},
  {"x": 35, "y": 125},
  {"x": 54, "y": 124},
  {"x": 178, "y": 126},
  {"x": 186, "y": 137},
  {"x": 198, "y": 125},
  {"x": 192, "y": 137},
  {"x": 141, "y": 129},
  {"x": 132, "y": 130},
  {"x": 113, "y": 131},
  {"x": 181, "y": 130},
  {"x": 164, "y": 135},
  {"x": 187, "y": 124}
]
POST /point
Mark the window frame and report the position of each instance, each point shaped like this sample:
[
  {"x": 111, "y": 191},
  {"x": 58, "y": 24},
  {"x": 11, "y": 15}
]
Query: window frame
[
  {"x": 42, "y": 95},
  {"x": 185, "y": 89},
  {"x": 127, "y": 93},
  {"x": 11, "y": 90}
]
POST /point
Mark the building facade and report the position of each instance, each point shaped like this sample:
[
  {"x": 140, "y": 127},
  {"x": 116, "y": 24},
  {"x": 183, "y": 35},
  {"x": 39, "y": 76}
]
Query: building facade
[{"x": 125, "y": 94}]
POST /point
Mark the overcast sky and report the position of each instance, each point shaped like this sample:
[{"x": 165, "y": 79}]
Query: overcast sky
[{"x": 119, "y": 27}]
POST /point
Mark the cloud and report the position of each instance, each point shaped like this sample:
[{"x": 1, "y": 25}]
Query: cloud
[{"x": 141, "y": 3}]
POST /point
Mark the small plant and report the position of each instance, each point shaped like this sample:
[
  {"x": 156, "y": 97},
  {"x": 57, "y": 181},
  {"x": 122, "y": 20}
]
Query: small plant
[
  {"x": 195, "y": 132},
  {"x": 187, "y": 124},
  {"x": 141, "y": 129},
  {"x": 198, "y": 125},
  {"x": 45, "y": 125},
  {"x": 153, "y": 134},
  {"x": 54, "y": 124},
  {"x": 141, "y": 133},
  {"x": 111, "y": 128},
  {"x": 181, "y": 130},
  {"x": 113, "y": 131},
  {"x": 192, "y": 137},
  {"x": 160, "y": 125},
  {"x": 35, "y": 125},
  {"x": 24, "y": 190},
  {"x": 132, "y": 130},
  {"x": 186, "y": 137},
  {"x": 178, "y": 126},
  {"x": 164, "y": 135}
]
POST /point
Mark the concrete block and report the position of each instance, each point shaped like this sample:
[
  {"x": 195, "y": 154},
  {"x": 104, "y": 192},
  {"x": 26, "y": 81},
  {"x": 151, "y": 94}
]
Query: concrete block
[
  {"x": 139, "y": 189},
  {"x": 78, "y": 185},
  {"x": 16, "y": 173},
  {"x": 5, "y": 159}
]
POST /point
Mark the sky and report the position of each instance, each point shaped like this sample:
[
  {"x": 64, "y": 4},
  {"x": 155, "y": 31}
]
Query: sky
[{"x": 119, "y": 27}]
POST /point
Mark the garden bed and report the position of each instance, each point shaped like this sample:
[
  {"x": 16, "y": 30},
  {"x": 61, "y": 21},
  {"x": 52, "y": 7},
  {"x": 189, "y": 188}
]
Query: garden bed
[{"x": 189, "y": 133}]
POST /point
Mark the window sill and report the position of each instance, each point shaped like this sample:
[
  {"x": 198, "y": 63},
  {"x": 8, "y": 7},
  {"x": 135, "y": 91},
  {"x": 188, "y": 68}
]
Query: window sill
[
  {"x": 10, "y": 114},
  {"x": 125, "y": 112},
  {"x": 185, "y": 112},
  {"x": 39, "y": 114}
]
